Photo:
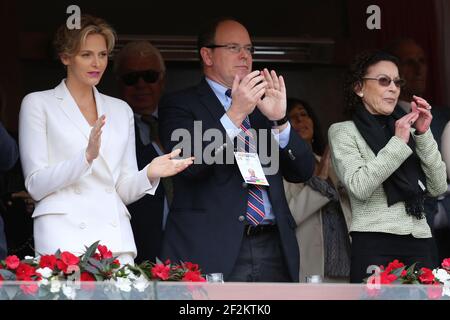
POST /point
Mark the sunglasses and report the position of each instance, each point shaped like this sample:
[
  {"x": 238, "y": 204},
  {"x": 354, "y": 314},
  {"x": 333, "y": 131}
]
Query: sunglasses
[
  {"x": 385, "y": 81},
  {"x": 149, "y": 76}
]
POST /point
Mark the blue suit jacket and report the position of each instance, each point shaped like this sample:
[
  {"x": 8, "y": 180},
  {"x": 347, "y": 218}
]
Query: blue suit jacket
[
  {"x": 206, "y": 221},
  {"x": 147, "y": 213}
]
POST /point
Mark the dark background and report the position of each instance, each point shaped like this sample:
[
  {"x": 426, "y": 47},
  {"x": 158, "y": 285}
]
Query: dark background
[{"x": 27, "y": 28}]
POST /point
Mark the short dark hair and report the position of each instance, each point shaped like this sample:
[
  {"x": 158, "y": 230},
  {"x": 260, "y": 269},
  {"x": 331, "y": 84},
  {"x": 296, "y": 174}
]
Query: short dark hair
[
  {"x": 357, "y": 70},
  {"x": 318, "y": 143},
  {"x": 207, "y": 32}
]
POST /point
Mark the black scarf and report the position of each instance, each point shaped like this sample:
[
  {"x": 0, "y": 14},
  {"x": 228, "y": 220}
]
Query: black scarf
[{"x": 402, "y": 185}]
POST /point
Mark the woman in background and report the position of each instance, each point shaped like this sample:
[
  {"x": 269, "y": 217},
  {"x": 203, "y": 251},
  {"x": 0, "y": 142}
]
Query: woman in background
[{"x": 318, "y": 205}]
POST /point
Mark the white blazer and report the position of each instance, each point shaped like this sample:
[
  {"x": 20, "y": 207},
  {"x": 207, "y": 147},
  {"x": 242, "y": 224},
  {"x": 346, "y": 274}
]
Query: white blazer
[{"x": 77, "y": 203}]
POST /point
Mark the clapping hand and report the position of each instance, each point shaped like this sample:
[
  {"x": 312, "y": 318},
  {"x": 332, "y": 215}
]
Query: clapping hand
[
  {"x": 322, "y": 170},
  {"x": 246, "y": 93},
  {"x": 273, "y": 106},
  {"x": 403, "y": 125},
  {"x": 422, "y": 108},
  {"x": 166, "y": 165},
  {"x": 95, "y": 140}
]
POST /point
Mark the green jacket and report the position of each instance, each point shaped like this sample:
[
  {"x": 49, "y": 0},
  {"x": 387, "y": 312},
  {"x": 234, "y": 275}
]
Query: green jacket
[{"x": 363, "y": 173}]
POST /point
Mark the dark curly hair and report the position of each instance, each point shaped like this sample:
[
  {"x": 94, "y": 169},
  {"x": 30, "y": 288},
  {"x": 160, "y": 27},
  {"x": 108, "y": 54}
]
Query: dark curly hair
[
  {"x": 357, "y": 71},
  {"x": 318, "y": 143}
]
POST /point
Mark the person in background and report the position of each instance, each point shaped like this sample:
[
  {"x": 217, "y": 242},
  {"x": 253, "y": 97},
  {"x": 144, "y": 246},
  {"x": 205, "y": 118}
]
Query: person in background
[
  {"x": 141, "y": 75},
  {"x": 318, "y": 205},
  {"x": 413, "y": 68}
]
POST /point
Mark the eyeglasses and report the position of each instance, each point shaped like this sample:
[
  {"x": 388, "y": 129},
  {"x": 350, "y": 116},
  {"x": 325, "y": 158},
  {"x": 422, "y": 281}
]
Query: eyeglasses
[
  {"x": 234, "y": 47},
  {"x": 385, "y": 81},
  {"x": 149, "y": 76}
]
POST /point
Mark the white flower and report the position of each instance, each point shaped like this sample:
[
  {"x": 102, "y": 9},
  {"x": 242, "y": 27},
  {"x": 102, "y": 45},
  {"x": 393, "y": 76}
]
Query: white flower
[
  {"x": 29, "y": 258},
  {"x": 123, "y": 284},
  {"x": 442, "y": 275},
  {"x": 69, "y": 291},
  {"x": 141, "y": 283},
  {"x": 55, "y": 286},
  {"x": 43, "y": 282},
  {"x": 132, "y": 276},
  {"x": 45, "y": 272}
]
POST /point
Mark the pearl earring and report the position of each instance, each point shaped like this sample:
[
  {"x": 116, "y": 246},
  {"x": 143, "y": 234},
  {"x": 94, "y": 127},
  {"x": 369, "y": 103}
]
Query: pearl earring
[{"x": 361, "y": 94}]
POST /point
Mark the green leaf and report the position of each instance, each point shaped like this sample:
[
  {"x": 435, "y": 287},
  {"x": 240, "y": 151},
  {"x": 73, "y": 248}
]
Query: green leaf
[
  {"x": 7, "y": 275},
  {"x": 90, "y": 251},
  {"x": 410, "y": 270},
  {"x": 96, "y": 263},
  {"x": 98, "y": 277},
  {"x": 91, "y": 269},
  {"x": 398, "y": 272}
]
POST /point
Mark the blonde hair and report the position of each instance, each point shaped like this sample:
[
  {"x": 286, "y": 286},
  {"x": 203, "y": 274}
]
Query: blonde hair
[
  {"x": 68, "y": 42},
  {"x": 140, "y": 48}
]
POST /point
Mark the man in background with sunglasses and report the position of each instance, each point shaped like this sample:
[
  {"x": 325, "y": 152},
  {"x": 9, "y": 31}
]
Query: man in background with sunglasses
[
  {"x": 413, "y": 68},
  {"x": 140, "y": 71}
]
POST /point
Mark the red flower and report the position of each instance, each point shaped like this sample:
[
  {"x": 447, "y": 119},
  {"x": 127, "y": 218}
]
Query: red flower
[
  {"x": 381, "y": 278},
  {"x": 387, "y": 278},
  {"x": 161, "y": 271},
  {"x": 105, "y": 253},
  {"x": 426, "y": 276},
  {"x": 193, "y": 276},
  {"x": 61, "y": 266},
  {"x": 116, "y": 262},
  {"x": 12, "y": 262},
  {"x": 97, "y": 256},
  {"x": 69, "y": 258},
  {"x": 191, "y": 266},
  {"x": 48, "y": 261},
  {"x": 394, "y": 265},
  {"x": 68, "y": 262},
  {"x": 446, "y": 264},
  {"x": 24, "y": 272},
  {"x": 167, "y": 261}
]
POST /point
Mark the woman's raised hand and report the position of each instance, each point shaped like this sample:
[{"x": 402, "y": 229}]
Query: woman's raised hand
[
  {"x": 166, "y": 165},
  {"x": 403, "y": 125},
  {"x": 95, "y": 140},
  {"x": 422, "y": 108}
]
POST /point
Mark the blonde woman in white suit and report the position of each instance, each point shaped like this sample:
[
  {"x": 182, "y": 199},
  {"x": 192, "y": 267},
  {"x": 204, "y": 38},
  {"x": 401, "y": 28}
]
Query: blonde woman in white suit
[{"x": 78, "y": 152}]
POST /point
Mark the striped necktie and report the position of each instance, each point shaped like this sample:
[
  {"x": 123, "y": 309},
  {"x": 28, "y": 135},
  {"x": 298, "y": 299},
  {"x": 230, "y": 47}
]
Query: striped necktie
[{"x": 255, "y": 204}]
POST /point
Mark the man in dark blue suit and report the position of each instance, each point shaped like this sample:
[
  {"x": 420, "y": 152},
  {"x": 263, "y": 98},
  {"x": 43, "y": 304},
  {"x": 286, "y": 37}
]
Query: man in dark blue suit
[
  {"x": 141, "y": 76},
  {"x": 9, "y": 154},
  {"x": 217, "y": 220}
]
